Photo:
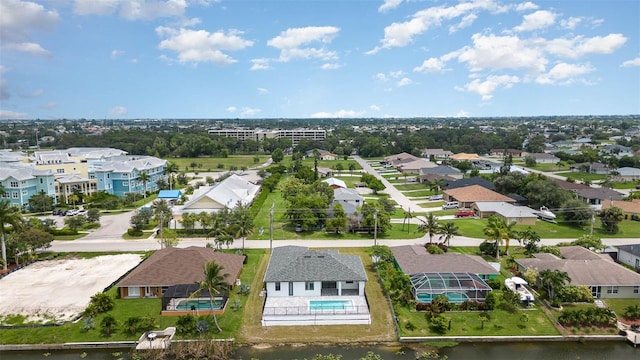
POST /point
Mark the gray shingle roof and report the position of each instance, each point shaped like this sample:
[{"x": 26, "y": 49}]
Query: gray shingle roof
[
  {"x": 414, "y": 259},
  {"x": 297, "y": 263}
]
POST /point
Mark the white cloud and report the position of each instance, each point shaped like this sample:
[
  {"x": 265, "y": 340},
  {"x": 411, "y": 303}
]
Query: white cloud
[
  {"x": 486, "y": 88},
  {"x": 12, "y": 115},
  {"x": 260, "y": 64},
  {"x": 50, "y": 105},
  {"x": 115, "y": 53},
  {"x": 331, "y": 66},
  {"x": 338, "y": 114},
  {"x": 464, "y": 23},
  {"x": 462, "y": 114},
  {"x": 526, "y": 6},
  {"x": 131, "y": 9},
  {"x": 292, "y": 42},
  {"x": 29, "y": 48},
  {"x": 195, "y": 46},
  {"x": 571, "y": 23},
  {"x": 389, "y": 5},
  {"x": 579, "y": 46},
  {"x": 263, "y": 90},
  {"x": 404, "y": 82},
  {"x": 381, "y": 77},
  {"x": 631, "y": 63},
  {"x": 431, "y": 65},
  {"x": 118, "y": 111},
  {"x": 18, "y": 19},
  {"x": 232, "y": 109},
  {"x": 563, "y": 74},
  {"x": 247, "y": 111},
  {"x": 375, "y": 108},
  {"x": 538, "y": 20},
  {"x": 502, "y": 52},
  {"x": 400, "y": 34},
  {"x": 32, "y": 94}
]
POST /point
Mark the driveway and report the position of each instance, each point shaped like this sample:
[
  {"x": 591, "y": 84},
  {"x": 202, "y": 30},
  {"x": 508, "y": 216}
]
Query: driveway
[{"x": 111, "y": 227}]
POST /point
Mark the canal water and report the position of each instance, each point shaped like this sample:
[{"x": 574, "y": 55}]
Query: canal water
[{"x": 477, "y": 351}]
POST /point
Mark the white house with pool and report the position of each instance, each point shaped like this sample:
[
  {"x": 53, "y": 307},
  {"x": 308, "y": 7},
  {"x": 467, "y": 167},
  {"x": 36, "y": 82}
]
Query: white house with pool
[{"x": 314, "y": 287}]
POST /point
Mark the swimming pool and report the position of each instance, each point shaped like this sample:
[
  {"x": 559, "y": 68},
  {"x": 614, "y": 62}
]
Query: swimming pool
[
  {"x": 454, "y": 297},
  {"x": 330, "y": 305},
  {"x": 199, "y": 304}
]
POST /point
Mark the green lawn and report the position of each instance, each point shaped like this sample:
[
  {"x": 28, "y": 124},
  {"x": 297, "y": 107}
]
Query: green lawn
[
  {"x": 331, "y": 164},
  {"x": 582, "y": 176},
  {"x": 411, "y": 187},
  {"x": 625, "y": 185},
  {"x": 432, "y": 204},
  {"x": 418, "y": 193},
  {"x": 211, "y": 163},
  {"x": 550, "y": 167}
]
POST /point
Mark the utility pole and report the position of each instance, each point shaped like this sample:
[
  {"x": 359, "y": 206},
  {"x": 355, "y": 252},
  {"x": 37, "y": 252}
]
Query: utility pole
[
  {"x": 593, "y": 221},
  {"x": 273, "y": 204},
  {"x": 375, "y": 228}
]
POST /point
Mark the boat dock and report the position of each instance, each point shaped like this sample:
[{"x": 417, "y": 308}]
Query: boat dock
[{"x": 156, "y": 339}]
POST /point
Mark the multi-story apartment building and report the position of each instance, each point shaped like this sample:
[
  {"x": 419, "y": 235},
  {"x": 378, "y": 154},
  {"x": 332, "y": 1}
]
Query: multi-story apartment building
[
  {"x": 120, "y": 175},
  {"x": 260, "y": 134},
  {"x": 22, "y": 182}
]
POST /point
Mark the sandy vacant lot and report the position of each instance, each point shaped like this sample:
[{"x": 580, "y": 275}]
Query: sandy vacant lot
[{"x": 60, "y": 289}]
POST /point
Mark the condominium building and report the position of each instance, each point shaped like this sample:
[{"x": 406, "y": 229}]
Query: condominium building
[
  {"x": 120, "y": 175},
  {"x": 260, "y": 134},
  {"x": 22, "y": 182}
]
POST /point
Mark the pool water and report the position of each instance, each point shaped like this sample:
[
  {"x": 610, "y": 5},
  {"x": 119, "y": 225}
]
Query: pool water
[
  {"x": 320, "y": 305},
  {"x": 454, "y": 297},
  {"x": 199, "y": 305}
]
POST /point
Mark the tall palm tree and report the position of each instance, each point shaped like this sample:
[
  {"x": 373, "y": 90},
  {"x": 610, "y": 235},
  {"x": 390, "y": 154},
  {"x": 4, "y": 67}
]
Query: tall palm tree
[
  {"x": 430, "y": 226},
  {"x": 498, "y": 230},
  {"x": 171, "y": 169},
  {"x": 243, "y": 222},
  {"x": 9, "y": 215},
  {"x": 144, "y": 177},
  {"x": 214, "y": 283},
  {"x": 448, "y": 231}
]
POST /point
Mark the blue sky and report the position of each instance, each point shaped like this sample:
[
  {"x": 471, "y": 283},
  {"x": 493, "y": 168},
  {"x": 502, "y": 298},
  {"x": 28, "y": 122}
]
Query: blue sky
[{"x": 101, "y": 59}]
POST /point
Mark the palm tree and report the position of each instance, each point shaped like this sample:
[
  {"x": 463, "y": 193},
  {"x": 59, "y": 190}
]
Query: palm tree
[
  {"x": 498, "y": 230},
  {"x": 144, "y": 177},
  {"x": 553, "y": 280},
  {"x": 73, "y": 198},
  {"x": 171, "y": 169},
  {"x": 214, "y": 283},
  {"x": 448, "y": 231},
  {"x": 9, "y": 215},
  {"x": 243, "y": 222},
  {"x": 430, "y": 226}
]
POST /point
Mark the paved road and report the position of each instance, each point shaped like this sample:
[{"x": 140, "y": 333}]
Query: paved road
[
  {"x": 112, "y": 227},
  {"x": 394, "y": 193}
]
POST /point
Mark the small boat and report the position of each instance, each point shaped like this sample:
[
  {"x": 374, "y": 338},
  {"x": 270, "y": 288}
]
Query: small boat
[
  {"x": 517, "y": 285},
  {"x": 546, "y": 213}
]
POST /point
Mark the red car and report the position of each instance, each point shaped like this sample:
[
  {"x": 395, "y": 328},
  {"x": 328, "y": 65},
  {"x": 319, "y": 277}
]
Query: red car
[{"x": 465, "y": 213}]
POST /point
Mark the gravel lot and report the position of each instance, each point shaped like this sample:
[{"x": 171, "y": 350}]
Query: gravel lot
[{"x": 60, "y": 289}]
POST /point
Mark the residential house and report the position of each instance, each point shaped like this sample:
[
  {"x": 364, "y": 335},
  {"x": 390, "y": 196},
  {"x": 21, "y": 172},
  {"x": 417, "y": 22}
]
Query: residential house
[
  {"x": 335, "y": 183},
  {"x": 471, "y": 181},
  {"x": 457, "y": 276},
  {"x": 595, "y": 197},
  {"x": 605, "y": 278},
  {"x": 617, "y": 150},
  {"x": 443, "y": 171},
  {"x": 347, "y": 196},
  {"x": 627, "y": 174},
  {"x": 592, "y": 168},
  {"x": 322, "y": 154},
  {"x": 520, "y": 215},
  {"x": 486, "y": 166},
  {"x": 630, "y": 255},
  {"x": 544, "y": 158},
  {"x": 413, "y": 167},
  {"x": 464, "y": 156},
  {"x": 314, "y": 287},
  {"x": 468, "y": 195},
  {"x": 324, "y": 172},
  {"x": 505, "y": 152},
  {"x": 397, "y": 159},
  {"x": 227, "y": 193},
  {"x": 436, "y": 154},
  {"x": 170, "y": 267},
  {"x": 630, "y": 209}
]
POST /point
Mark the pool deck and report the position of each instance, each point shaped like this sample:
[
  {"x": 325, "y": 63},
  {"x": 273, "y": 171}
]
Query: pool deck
[{"x": 294, "y": 310}]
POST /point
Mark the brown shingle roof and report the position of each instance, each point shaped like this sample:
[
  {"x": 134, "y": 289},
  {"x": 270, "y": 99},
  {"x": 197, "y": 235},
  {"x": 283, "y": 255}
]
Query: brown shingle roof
[
  {"x": 585, "y": 268},
  {"x": 630, "y": 207},
  {"x": 475, "y": 193},
  {"x": 414, "y": 259},
  {"x": 173, "y": 266}
]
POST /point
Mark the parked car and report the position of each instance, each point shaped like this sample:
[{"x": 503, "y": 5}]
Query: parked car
[
  {"x": 436, "y": 197},
  {"x": 451, "y": 205},
  {"x": 465, "y": 213},
  {"x": 72, "y": 212}
]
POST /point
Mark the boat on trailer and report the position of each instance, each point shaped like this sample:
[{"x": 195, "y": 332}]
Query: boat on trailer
[{"x": 546, "y": 214}]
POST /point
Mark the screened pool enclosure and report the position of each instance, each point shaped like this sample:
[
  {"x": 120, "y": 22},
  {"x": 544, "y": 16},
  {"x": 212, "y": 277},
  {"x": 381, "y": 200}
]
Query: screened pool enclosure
[{"x": 458, "y": 287}]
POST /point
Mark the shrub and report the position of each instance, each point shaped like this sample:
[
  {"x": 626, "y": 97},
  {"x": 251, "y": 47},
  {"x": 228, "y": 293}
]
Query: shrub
[
  {"x": 434, "y": 249},
  {"x": 490, "y": 301},
  {"x": 101, "y": 303},
  {"x": 410, "y": 326},
  {"x": 494, "y": 283},
  {"x": 439, "y": 324},
  {"x": 63, "y": 232},
  {"x": 134, "y": 232},
  {"x": 632, "y": 312},
  {"x": 135, "y": 325},
  {"x": 108, "y": 325},
  {"x": 488, "y": 248},
  {"x": 571, "y": 293},
  {"x": 186, "y": 325}
]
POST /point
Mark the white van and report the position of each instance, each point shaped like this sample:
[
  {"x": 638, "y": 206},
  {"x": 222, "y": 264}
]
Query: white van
[{"x": 451, "y": 205}]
